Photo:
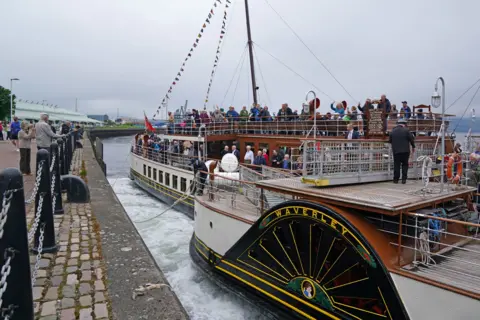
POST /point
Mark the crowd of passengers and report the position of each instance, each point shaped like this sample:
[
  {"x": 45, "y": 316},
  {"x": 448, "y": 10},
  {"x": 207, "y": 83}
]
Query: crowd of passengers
[
  {"x": 180, "y": 153},
  {"x": 340, "y": 111}
]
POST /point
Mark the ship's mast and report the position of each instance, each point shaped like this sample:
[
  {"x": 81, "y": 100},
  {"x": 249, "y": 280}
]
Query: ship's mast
[{"x": 250, "y": 51}]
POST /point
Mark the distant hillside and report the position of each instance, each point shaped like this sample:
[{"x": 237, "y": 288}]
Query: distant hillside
[{"x": 463, "y": 125}]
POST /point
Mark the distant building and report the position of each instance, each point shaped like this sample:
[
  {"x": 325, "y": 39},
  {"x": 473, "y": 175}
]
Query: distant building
[
  {"x": 30, "y": 111},
  {"x": 124, "y": 120},
  {"x": 102, "y": 118}
]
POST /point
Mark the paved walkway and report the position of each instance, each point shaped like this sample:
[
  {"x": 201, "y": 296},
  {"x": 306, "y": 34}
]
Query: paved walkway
[{"x": 70, "y": 284}]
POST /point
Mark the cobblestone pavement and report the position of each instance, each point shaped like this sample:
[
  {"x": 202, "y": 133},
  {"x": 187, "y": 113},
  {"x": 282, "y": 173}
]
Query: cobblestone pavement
[{"x": 70, "y": 284}]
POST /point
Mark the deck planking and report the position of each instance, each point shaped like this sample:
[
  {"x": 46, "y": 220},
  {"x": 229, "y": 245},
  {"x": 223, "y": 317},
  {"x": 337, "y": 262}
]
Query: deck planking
[{"x": 384, "y": 197}]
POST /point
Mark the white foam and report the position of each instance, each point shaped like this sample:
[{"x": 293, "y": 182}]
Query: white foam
[{"x": 167, "y": 237}]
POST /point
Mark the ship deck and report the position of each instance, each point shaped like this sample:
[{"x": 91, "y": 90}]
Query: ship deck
[
  {"x": 458, "y": 268},
  {"x": 381, "y": 197},
  {"x": 240, "y": 208}
]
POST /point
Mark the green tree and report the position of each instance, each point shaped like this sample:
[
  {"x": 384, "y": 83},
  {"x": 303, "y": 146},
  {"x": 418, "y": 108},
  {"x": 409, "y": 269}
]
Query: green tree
[{"x": 5, "y": 103}]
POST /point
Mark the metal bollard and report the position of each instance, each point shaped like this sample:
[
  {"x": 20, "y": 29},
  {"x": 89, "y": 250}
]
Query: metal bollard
[
  {"x": 65, "y": 154},
  {"x": 57, "y": 190},
  {"x": 44, "y": 195},
  {"x": 14, "y": 247}
]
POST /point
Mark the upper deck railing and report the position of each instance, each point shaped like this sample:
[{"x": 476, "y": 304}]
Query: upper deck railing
[
  {"x": 293, "y": 126},
  {"x": 341, "y": 161}
]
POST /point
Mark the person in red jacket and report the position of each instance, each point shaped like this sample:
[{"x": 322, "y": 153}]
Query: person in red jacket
[{"x": 265, "y": 155}]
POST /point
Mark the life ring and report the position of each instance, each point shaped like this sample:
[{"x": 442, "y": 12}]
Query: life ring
[{"x": 454, "y": 168}]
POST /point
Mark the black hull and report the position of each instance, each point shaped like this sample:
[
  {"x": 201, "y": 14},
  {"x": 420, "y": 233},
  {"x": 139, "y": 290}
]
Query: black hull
[
  {"x": 166, "y": 195},
  {"x": 269, "y": 311},
  {"x": 281, "y": 265}
]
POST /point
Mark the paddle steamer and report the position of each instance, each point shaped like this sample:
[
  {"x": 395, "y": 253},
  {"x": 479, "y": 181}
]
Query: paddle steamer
[{"x": 332, "y": 237}]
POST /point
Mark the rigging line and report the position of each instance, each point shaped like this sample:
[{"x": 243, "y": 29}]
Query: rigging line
[
  {"x": 248, "y": 88},
  {"x": 238, "y": 80},
  {"x": 300, "y": 76},
  {"x": 261, "y": 75},
  {"x": 310, "y": 50},
  {"x": 222, "y": 44},
  {"x": 468, "y": 106},
  {"x": 234, "y": 74},
  {"x": 463, "y": 94}
]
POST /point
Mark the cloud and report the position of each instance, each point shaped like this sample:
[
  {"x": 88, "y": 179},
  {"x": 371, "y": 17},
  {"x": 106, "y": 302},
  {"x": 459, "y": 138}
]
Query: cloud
[{"x": 111, "y": 54}]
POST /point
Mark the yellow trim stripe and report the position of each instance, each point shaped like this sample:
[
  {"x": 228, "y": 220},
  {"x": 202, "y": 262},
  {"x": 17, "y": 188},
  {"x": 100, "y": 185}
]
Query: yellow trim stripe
[
  {"x": 323, "y": 213},
  {"x": 262, "y": 264},
  {"x": 332, "y": 316},
  {"x": 146, "y": 180},
  {"x": 331, "y": 267},
  {"x": 200, "y": 251},
  {"x": 208, "y": 249},
  {"x": 325, "y": 285},
  {"x": 351, "y": 315},
  {"x": 386, "y": 306},
  {"x": 362, "y": 310},
  {"x": 267, "y": 294},
  {"x": 278, "y": 262},
  {"x": 346, "y": 284},
  {"x": 325, "y": 259},
  {"x": 162, "y": 186},
  {"x": 298, "y": 252},
  {"x": 285, "y": 251},
  {"x": 247, "y": 264}
]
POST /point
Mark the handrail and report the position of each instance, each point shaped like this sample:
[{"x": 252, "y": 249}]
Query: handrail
[{"x": 422, "y": 215}]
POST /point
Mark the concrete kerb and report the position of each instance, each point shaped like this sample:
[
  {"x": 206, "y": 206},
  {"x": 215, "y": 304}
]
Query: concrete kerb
[{"x": 129, "y": 264}]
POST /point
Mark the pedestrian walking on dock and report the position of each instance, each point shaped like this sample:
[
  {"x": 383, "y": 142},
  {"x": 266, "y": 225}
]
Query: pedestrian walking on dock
[
  {"x": 25, "y": 136},
  {"x": 14, "y": 130},
  {"x": 401, "y": 139}
]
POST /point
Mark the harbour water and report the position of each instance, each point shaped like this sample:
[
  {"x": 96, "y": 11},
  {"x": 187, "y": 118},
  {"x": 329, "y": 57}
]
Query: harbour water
[{"x": 167, "y": 237}]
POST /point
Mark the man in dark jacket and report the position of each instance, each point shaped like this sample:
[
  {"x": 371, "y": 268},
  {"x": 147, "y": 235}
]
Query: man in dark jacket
[
  {"x": 199, "y": 165},
  {"x": 401, "y": 139},
  {"x": 259, "y": 161},
  {"x": 66, "y": 127}
]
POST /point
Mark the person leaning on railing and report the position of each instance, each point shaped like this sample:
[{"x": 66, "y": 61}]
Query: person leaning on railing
[{"x": 44, "y": 134}]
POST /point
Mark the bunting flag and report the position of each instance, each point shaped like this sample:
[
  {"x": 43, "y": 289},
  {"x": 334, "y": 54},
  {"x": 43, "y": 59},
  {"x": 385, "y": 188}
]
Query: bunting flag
[
  {"x": 210, "y": 15},
  {"x": 217, "y": 55}
]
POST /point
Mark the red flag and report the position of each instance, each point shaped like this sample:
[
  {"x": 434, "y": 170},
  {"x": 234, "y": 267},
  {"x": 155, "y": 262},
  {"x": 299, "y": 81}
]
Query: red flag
[{"x": 148, "y": 125}]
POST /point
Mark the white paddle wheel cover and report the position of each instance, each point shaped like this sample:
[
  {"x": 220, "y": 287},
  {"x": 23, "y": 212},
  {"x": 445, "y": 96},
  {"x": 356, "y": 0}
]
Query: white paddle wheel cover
[{"x": 229, "y": 163}]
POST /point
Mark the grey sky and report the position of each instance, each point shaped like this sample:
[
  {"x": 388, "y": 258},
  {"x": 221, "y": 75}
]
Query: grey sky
[{"x": 125, "y": 54}]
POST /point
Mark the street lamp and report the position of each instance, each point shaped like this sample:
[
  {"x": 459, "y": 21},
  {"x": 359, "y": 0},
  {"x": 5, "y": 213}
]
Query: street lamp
[
  {"x": 436, "y": 99},
  {"x": 11, "y": 97}
]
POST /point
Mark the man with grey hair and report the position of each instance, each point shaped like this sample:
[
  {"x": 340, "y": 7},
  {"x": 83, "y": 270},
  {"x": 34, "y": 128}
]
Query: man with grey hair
[{"x": 44, "y": 133}]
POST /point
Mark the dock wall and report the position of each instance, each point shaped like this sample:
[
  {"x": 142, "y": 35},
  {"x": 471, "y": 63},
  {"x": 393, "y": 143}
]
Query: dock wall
[{"x": 129, "y": 264}]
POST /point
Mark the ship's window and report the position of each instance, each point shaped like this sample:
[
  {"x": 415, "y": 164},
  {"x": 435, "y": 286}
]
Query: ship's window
[
  {"x": 154, "y": 174},
  {"x": 144, "y": 169},
  {"x": 160, "y": 176},
  {"x": 175, "y": 182},
  {"x": 149, "y": 172},
  {"x": 183, "y": 184},
  {"x": 167, "y": 179}
]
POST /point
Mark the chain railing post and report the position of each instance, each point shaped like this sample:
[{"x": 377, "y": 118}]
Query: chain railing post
[
  {"x": 67, "y": 154},
  {"x": 43, "y": 202},
  {"x": 55, "y": 173},
  {"x": 15, "y": 289},
  {"x": 61, "y": 148}
]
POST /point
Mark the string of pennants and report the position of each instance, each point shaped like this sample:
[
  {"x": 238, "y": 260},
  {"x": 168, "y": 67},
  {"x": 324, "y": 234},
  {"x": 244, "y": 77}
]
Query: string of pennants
[
  {"x": 223, "y": 30},
  {"x": 210, "y": 15}
]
